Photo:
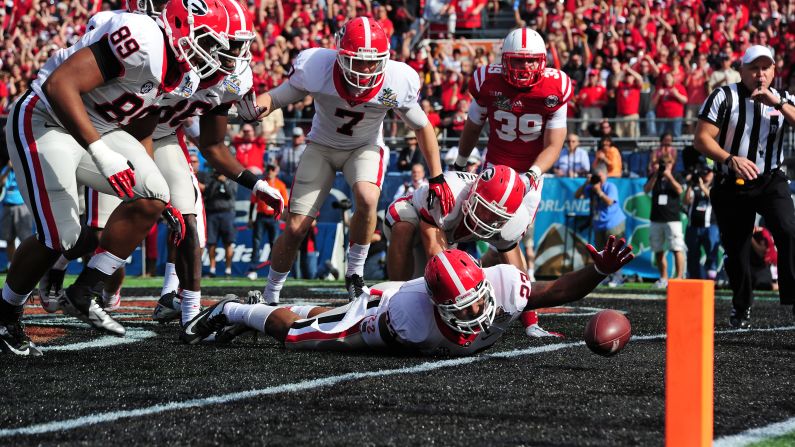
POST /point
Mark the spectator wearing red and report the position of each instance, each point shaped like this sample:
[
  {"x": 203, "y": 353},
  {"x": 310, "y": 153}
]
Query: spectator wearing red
[
  {"x": 379, "y": 14},
  {"x": 468, "y": 15},
  {"x": 250, "y": 149},
  {"x": 628, "y": 102},
  {"x": 669, "y": 101},
  {"x": 451, "y": 92},
  {"x": 433, "y": 117},
  {"x": 696, "y": 87},
  {"x": 591, "y": 99}
]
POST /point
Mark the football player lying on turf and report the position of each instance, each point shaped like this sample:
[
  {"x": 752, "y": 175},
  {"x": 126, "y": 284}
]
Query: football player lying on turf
[{"x": 457, "y": 308}]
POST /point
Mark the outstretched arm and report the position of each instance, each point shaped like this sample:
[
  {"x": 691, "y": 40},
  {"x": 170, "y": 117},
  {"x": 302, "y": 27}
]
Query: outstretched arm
[{"x": 576, "y": 285}]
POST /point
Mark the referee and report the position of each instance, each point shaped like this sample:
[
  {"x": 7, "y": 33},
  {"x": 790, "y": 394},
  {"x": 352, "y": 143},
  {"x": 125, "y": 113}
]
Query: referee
[{"x": 741, "y": 126}]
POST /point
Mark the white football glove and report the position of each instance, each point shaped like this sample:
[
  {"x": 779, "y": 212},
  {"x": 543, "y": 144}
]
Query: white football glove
[
  {"x": 270, "y": 196},
  {"x": 247, "y": 108},
  {"x": 114, "y": 167}
]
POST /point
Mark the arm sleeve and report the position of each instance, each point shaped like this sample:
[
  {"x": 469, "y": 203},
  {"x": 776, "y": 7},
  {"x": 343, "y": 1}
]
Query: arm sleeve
[
  {"x": 414, "y": 117},
  {"x": 106, "y": 60},
  {"x": 286, "y": 94},
  {"x": 558, "y": 118},
  {"x": 711, "y": 110}
]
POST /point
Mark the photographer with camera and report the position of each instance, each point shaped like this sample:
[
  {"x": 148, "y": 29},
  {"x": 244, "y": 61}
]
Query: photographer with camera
[
  {"x": 702, "y": 227},
  {"x": 606, "y": 215},
  {"x": 666, "y": 188},
  {"x": 219, "y": 205}
]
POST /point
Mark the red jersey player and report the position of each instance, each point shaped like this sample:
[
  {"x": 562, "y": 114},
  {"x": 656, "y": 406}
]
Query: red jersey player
[{"x": 525, "y": 104}]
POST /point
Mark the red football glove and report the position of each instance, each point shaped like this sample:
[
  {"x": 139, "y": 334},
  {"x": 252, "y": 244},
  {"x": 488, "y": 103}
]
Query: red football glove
[
  {"x": 615, "y": 255},
  {"x": 270, "y": 196},
  {"x": 439, "y": 189},
  {"x": 176, "y": 224}
]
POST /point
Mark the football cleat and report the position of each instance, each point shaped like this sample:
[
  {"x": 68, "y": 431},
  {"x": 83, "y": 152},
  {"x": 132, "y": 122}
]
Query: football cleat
[
  {"x": 229, "y": 333},
  {"x": 82, "y": 302},
  {"x": 169, "y": 308},
  {"x": 51, "y": 289},
  {"x": 740, "y": 320},
  {"x": 206, "y": 323},
  {"x": 13, "y": 339},
  {"x": 537, "y": 331},
  {"x": 355, "y": 286}
]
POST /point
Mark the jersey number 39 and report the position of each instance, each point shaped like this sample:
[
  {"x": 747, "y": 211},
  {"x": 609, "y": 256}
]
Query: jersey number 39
[{"x": 526, "y": 127}]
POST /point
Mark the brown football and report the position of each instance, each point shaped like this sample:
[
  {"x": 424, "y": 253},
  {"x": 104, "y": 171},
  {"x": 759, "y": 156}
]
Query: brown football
[{"x": 607, "y": 332}]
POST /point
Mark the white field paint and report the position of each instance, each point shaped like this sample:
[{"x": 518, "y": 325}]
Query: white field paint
[
  {"x": 98, "y": 418},
  {"x": 756, "y": 434}
]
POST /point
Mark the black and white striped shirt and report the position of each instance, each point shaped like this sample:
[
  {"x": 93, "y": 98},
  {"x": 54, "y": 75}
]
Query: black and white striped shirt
[{"x": 747, "y": 128}]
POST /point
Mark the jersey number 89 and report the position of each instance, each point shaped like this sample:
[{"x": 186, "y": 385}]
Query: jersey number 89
[
  {"x": 526, "y": 127},
  {"x": 125, "y": 45}
]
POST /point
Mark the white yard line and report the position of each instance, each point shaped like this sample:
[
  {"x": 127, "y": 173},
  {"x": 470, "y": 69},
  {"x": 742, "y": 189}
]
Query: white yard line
[{"x": 98, "y": 418}]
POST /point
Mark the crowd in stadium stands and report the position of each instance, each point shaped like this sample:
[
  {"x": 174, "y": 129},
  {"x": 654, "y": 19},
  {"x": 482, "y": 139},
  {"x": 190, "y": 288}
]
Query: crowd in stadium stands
[{"x": 639, "y": 68}]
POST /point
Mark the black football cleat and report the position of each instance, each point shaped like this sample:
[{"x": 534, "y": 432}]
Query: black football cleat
[
  {"x": 206, "y": 323},
  {"x": 740, "y": 319},
  {"x": 13, "y": 339},
  {"x": 355, "y": 286},
  {"x": 169, "y": 308}
]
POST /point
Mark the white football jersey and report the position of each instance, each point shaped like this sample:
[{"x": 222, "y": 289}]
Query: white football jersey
[
  {"x": 414, "y": 322},
  {"x": 340, "y": 122},
  {"x": 461, "y": 184},
  {"x": 138, "y": 44},
  {"x": 196, "y": 97}
]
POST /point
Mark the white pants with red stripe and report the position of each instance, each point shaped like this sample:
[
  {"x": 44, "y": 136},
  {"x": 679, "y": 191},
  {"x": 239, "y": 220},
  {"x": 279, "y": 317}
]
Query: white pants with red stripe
[
  {"x": 172, "y": 159},
  {"x": 51, "y": 165},
  {"x": 340, "y": 329}
]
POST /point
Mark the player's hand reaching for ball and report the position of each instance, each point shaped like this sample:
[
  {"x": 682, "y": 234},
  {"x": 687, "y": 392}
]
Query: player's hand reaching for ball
[{"x": 616, "y": 254}]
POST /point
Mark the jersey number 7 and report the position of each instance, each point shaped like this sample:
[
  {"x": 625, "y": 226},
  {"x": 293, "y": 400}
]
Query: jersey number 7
[{"x": 347, "y": 128}]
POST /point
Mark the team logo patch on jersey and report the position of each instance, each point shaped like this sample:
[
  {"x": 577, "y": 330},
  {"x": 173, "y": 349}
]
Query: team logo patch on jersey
[
  {"x": 517, "y": 105},
  {"x": 232, "y": 85},
  {"x": 146, "y": 88},
  {"x": 196, "y": 7},
  {"x": 388, "y": 97},
  {"x": 186, "y": 90},
  {"x": 503, "y": 103},
  {"x": 551, "y": 101}
]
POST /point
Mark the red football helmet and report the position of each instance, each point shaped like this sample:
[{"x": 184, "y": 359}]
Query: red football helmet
[
  {"x": 362, "y": 53},
  {"x": 196, "y": 30},
  {"x": 524, "y": 57},
  {"x": 492, "y": 201},
  {"x": 152, "y": 8},
  {"x": 457, "y": 284},
  {"x": 241, "y": 34}
]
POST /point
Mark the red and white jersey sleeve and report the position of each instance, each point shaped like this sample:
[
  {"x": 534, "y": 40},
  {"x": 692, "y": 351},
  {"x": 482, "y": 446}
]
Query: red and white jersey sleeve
[
  {"x": 416, "y": 324},
  {"x": 137, "y": 42},
  {"x": 342, "y": 121},
  {"x": 518, "y": 117},
  {"x": 195, "y": 97},
  {"x": 460, "y": 184}
]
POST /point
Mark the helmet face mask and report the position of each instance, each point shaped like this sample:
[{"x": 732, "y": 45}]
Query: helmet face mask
[
  {"x": 362, "y": 54},
  {"x": 492, "y": 201},
  {"x": 460, "y": 292},
  {"x": 524, "y": 58},
  {"x": 240, "y": 35},
  {"x": 152, "y": 8}
]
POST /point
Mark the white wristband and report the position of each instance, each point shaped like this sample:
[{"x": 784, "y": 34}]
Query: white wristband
[
  {"x": 460, "y": 160},
  {"x": 97, "y": 146},
  {"x": 535, "y": 170}
]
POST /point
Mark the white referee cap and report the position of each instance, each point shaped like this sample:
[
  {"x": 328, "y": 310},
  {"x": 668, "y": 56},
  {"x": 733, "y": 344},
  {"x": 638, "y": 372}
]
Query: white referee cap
[{"x": 754, "y": 52}]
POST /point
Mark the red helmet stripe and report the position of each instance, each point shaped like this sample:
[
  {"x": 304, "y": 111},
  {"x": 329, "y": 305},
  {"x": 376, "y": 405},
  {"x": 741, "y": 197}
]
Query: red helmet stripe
[
  {"x": 509, "y": 188},
  {"x": 452, "y": 273},
  {"x": 367, "y": 36},
  {"x": 525, "y": 33}
]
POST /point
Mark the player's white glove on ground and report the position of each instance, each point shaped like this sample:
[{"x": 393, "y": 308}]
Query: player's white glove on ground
[{"x": 114, "y": 167}]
